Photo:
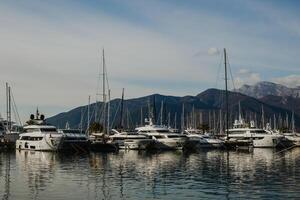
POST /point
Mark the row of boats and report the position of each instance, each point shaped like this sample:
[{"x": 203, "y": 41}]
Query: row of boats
[{"x": 37, "y": 135}]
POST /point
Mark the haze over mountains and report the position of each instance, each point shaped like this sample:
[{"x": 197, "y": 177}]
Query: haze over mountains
[{"x": 276, "y": 100}]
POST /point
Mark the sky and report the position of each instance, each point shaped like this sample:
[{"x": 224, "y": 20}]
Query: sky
[{"x": 50, "y": 51}]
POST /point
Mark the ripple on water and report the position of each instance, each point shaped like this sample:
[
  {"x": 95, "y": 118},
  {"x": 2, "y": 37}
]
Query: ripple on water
[{"x": 262, "y": 174}]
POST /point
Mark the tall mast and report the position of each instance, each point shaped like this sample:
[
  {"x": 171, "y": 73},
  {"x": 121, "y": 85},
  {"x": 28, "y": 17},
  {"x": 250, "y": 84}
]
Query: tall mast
[
  {"x": 88, "y": 116},
  {"x": 141, "y": 116},
  {"x": 169, "y": 119},
  {"x": 103, "y": 74},
  {"x": 103, "y": 91},
  {"x": 221, "y": 128},
  {"x": 161, "y": 113},
  {"x": 226, "y": 93},
  {"x": 240, "y": 113},
  {"x": 175, "y": 120},
  {"x": 7, "y": 109},
  {"x": 154, "y": 110},
  {"x": 274, "y": 123},
  {"x": 108, "y": 113},
  {"x": 182, "y": 118},
  {"x": 262, "y": 116},
  {"x": 122, "y": 105},
  {"x": 293, "y": 122}
]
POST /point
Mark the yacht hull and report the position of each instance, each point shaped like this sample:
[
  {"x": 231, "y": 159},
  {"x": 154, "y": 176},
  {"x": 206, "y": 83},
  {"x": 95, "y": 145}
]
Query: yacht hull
[{"x": 47, "y": 143}]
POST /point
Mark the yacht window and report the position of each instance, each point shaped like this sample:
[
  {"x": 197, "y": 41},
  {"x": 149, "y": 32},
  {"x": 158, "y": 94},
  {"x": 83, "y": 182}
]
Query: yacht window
[
  {"x": 176, "y": 136},
  {"x": 236, "y": 132},
  {"x": 30, "y": 130},
  {"x": 75, "y": 131},
  {"x": 162, "y": 131},
  {"x": 48, "y": 129},
  {"x": 258, "y": 131},
  {"x": 159, "y": 136}
]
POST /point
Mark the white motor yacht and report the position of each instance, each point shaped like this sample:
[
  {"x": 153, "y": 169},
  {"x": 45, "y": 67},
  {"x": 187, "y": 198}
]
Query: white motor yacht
[
  {"x": 131, "y": 140},
  {"x": 258, "y": 137},
  {"x": 164, "y": 139},
  {"x": 39, "y": 136},
  {"x": 198, "y": 139}
]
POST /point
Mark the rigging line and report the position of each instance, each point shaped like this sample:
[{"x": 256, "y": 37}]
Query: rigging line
[
  {"x": 219, "y": 69},
  {"x": 229, "y": 66},
  {"x": 15, "y": 108},
  {"x": 115, "y": 116}
]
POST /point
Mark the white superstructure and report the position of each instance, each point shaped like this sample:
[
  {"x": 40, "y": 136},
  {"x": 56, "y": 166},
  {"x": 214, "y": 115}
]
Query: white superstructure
[
  {"x": 39, "y": 136},
  {"x": 258, "y": 137},
  {"x": 131, "y": 140},
  {"x": 162, "y": 135}
]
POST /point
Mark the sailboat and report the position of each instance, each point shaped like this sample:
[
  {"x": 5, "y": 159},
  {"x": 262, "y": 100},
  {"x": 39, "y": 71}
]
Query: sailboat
[
  {"x": 9, "y": 130},
  {"x": 294, "y": 137},
  {"x": 100, "y": 141}
]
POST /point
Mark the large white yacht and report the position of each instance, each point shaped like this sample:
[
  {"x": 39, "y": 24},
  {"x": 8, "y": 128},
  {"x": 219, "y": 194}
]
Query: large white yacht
[
  {"x": 39, "y": 136},
  {"x": 257, "y": 136},
  {"x": 131, "y": 140},
  {"x": 164, "y": 139},
  {"x": 198, "y": 139}
]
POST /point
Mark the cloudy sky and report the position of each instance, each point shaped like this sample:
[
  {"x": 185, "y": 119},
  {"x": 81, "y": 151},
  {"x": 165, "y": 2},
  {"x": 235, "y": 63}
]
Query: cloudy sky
[{"x": 50, "y": 51}]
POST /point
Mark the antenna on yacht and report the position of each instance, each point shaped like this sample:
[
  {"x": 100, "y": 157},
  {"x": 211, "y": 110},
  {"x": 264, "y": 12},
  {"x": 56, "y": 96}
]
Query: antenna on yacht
[
  {"x": 226, "y": 94},
  {"x": 37, "y": 114}
]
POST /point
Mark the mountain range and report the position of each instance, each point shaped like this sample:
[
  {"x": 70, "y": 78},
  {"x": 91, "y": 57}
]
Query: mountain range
[
  {"x": 264, "y": 88},
  {"x": 276, "y": 101}
]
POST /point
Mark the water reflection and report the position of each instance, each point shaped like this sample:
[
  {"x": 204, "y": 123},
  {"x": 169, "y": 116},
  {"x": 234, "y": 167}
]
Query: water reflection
[{"x": 263, "y": 173}]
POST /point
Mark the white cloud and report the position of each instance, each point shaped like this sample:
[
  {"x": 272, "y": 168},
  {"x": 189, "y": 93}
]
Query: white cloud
[
  {"x": 245, "y": 76},
  {"x": 213, "y": 51},
  {"x": 291, "y": 81}
]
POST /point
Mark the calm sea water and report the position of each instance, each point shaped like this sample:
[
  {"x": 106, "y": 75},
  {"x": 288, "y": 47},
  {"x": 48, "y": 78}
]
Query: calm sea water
[{"x": 261, "y": 174}]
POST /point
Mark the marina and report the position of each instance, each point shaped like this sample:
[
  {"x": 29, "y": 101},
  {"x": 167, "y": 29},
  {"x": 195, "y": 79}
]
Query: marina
[{"x": 136, "y": 99}]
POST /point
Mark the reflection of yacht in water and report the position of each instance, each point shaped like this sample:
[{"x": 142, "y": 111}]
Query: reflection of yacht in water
[
  {"x": 38, "y": 171},
  {"x": 163, "y": 137},
  {"x": 258, "y": 137},
  {"x": 39, "y": 136}
]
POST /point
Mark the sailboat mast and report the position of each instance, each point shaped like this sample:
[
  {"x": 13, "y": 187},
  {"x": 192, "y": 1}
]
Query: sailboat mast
[
  {"x": 161, "y": 113},
  {"x": 293, "y": 122},
  {"x": 108, "y": 113},
  {"x": 141, "y": 116},
  {"x": 182, "y": 118},
  {"x": 122, "y": 104},
  {"x": 226, "y": 93},
  {"x": 88, "y": 117},
  {"x": 175, "y": 120}
]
